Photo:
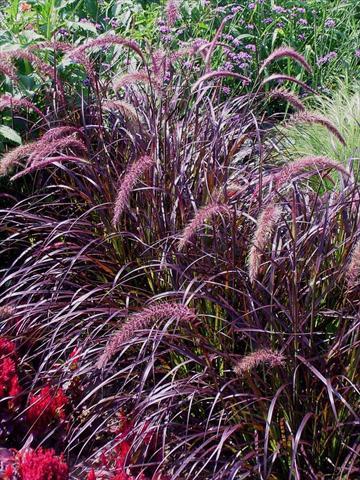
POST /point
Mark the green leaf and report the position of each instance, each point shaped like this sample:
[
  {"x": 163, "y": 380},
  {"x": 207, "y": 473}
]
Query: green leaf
[
  {"x": 88, "y": 26},
  {"x": 10, "y": 134}
]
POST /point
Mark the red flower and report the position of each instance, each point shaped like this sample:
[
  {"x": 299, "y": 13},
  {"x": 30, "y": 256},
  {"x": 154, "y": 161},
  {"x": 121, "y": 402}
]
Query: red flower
[
  {"x": 91, "y": 475},
  {"x": 122, "y": 449},
  {"x": 42, "y": 465},
  {"x": 9, "y": 381},
  {"x": 7, "y": 348},
  {"x": 121, "y": 475},
  {"x": 46, "y": 406}
]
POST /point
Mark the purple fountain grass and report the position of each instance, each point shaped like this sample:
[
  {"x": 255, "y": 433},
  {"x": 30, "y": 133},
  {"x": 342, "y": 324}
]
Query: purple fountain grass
[
  {"x": 295, "y": 168},
  {"x": 289, "y": 97},
  {"x": 280, "y": 77},
  {"x": 42, "y": 67},
  {"x": 125, "y": 108},
  {"x": 286, "y": 52},
  {"x": 45, "y": 148},
  {"x": 6, "y": 101},
  {"x": 172, "y": 12},
  {"x": 144, "y": 320},
  {"x": 353, "y": 271},
  {"x": 13, "y": 157},
  {"x": 203, "y": 214},
  {"x": 314, "y": 118},
  {"x": 53, "y": 45},
  {"x": 7, "y": 68},
  {"x": 260, "y": 357},
  {"x": 141, "y": 76},
  {"x": 219, "y": 74},
  {"x": 47, "y": 163},
  {"x": 128, "y": 183},
  {"x": 266, "y": 223},
  {"x": 59, "y": 132},
  {"x": 6, "y": 311},
  {"x": 213, "y": 43},
  {"x": 159, "y": 60},
  {"x": 105, "y": 41}
]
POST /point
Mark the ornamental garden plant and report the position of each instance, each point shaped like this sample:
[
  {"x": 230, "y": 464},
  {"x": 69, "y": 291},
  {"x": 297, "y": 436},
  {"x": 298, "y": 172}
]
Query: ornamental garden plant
[{"x": 178, "y": 291}]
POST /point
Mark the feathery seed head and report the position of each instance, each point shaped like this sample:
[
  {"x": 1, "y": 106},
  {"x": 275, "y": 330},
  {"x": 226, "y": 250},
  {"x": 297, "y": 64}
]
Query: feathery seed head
[
  {"x": 265, "y": 225},
  {"x": 144, "y": 320},
  {"x": 128, "y": 183},
  {"x": 205, "y": 213},
  {"x": 286, "y": 52},
  {"x": 260, "y": 357}
]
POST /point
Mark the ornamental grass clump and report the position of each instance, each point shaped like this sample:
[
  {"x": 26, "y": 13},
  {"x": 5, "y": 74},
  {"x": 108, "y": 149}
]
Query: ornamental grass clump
[{"x": 159, "y": 241}]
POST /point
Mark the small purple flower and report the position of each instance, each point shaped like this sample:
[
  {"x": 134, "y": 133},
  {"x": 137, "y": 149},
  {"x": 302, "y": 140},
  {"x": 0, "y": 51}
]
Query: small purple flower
[
  {"x": 252, "y": 6},
  {"x": 280, "y": 24},
  {"x": 303, "y": 22},
  {"x": 228, "y": 66},
  {"x": 243, "y": 56},
  {"x": 301, "y": 9},
  {"x": 251, "y": 47},
  {"x": 357, "y": 53},
  {"x": 250, "y": 26},
  {"x": 236, "y": 42},
  {"x": 244, "y": 65},
  {"x": 167, "y": 38},
  {"x": 188, "y": 64},
  {"x": 301, "y": 37},
  {"x": 64, "y": 32},
  {"x": 268, "y": 20},
  {"x": 86, "y": 82},
  {"x": 279, "y": 10},
  {"x": 114, "y": 23},
  {"x": 236, "y": 9},
  {"x": 330, "y": 23},
  {"x": 326, "y": 58},
  {"x": 226, "y": 90},
  {"x": 164, "y": 29}
]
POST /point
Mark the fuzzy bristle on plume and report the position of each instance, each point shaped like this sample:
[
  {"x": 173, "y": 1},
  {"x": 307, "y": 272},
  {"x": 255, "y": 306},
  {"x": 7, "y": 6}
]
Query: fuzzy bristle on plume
[
  {"x": 172, "y": 12},
  {"x": 205, "y": 213},
  {"x": 47, "y": 163},
  {"x": 219, "y": 74},
  {"x": 353, "y": 271},
  {"x": 314, "y": 118},
  {"x": 141, "y": 76},
  {"x": 279, "y": 77},
  {"x": 286, "y": 52},
  {"x": 59, "y": 132},
  {"x": 120, "y": 105},
  {"x": 128, "y": 183},
  {"x": 297, "y": 167},
  {"x": 12, "y": 158},
  {"x": 6, "y": 101},
  {"x": 282, "y": 94},
  {"x": 266, "y": 223},
  {"x": 104, "y": 42},
  {"x": 144, "y": 320},
  {"x": 43, "y": 148},
  {"x": 260, "y": 357}
]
